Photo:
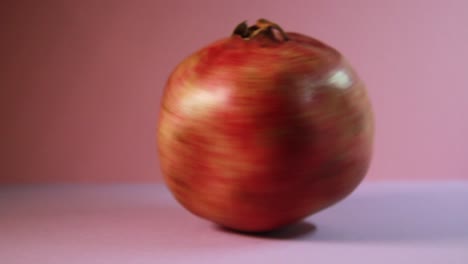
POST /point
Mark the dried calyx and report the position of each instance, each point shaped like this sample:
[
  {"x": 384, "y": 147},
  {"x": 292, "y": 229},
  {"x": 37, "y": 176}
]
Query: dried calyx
[{"x": 262, "y": 27}]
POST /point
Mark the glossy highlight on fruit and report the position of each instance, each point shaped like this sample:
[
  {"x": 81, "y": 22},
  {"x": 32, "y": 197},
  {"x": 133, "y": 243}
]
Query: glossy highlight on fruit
[{"x": 263, "y": 128}]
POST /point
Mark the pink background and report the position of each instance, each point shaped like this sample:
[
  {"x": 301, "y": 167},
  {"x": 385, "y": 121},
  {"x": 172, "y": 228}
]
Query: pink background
[{"x": 80, "y": 81}]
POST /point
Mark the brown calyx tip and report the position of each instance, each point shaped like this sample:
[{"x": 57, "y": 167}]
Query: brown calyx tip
[{"x": 262, "y": 27}]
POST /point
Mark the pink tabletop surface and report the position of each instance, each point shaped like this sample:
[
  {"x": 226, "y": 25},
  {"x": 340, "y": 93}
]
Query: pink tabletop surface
[{"x": 378, "y": 223}]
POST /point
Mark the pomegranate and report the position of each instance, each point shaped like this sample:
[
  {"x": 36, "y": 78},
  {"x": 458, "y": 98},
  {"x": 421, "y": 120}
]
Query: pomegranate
[{"x": 263, "y": 128}]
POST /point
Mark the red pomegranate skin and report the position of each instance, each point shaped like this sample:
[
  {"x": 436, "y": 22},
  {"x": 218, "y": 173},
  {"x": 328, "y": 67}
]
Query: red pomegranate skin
[{"x": 255, "y": 134}]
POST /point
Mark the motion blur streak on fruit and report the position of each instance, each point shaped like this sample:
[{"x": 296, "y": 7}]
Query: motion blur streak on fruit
[{"x": 263, "y": 128}]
